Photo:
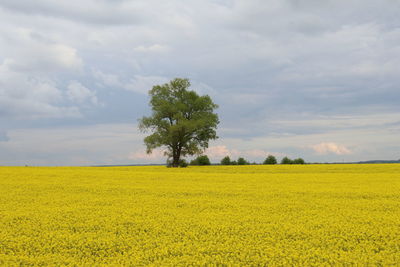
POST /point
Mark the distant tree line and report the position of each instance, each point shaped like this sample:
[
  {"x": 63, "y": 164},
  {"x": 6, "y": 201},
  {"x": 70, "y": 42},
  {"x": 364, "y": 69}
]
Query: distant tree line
[{"x": 203, "y": 160}]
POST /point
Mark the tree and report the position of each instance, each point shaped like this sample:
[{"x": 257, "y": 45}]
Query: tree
[
  {"x": 226, "y": 161},
  {"x": 286, "y": 160},
  {"x": 182, "y": 121},
  {"x": 270, "y": 160},
  {"x": 299, "y": 161},
  {"x": 201, "y": 161},
  {"x": 242, "y": 161}
]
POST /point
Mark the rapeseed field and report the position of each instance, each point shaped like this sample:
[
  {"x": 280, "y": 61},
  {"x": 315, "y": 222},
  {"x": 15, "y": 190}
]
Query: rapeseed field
[{"x": 217, "y": 215}]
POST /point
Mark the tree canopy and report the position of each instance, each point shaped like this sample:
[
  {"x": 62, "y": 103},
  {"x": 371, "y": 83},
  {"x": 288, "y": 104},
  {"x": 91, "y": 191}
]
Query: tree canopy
[{"x": 182, "y": 122}]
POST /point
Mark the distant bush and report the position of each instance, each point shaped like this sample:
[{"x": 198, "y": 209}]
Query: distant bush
[
  {"x": 299, "y": 161},
  {"x": 270, "y": 160},
  {"x": 169, "y": 163},
  {"x": 201, "y": 161},
  {"x": 183, "y": 163},
  {"x": 226, "y": 161},
  {"x": 242, "y": 161},
  {"x": 286, "y": 160}
]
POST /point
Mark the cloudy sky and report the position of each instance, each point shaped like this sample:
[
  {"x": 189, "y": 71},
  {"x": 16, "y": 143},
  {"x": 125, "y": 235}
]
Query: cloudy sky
[{"x": 302, "y": 78}]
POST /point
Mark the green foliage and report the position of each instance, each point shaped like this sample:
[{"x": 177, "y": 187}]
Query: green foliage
[
  {"x": 234, "y": 162},
  {"x": 286, "y": 160},
  {"x": 182, "y": 121},
  {"x": 242, "y": 161},
  {"x": 226, "y": 161},
  {"x": 299, "y": 161},
  {"x": 270, "y": 160},
  {"x": 169, "y": 163},
  {"x": 201, "y": 161},
  {"x": 183, "y": 163}
]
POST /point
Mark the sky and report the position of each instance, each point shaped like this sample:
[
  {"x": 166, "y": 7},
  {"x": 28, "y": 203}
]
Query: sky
[{"x": 299, "y": 78}]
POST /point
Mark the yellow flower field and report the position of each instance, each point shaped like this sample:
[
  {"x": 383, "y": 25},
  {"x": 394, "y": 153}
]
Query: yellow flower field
[{"x": 233, "y": 215}]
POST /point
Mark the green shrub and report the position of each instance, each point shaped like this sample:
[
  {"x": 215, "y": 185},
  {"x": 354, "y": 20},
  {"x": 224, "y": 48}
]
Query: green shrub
[
  {"x": 270, "y": 160},
  {"x": 183, "y": 163},
  {"x": 242, "y": 161},
  {"x": 226, "y": 161},
  {"x": 299, "y": 161},
  {"x": 201, "y": 161},
  {"x": 286, "y": 160}
]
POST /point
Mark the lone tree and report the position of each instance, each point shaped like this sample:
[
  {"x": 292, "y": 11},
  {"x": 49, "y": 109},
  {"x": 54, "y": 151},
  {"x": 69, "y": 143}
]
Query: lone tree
[{"x": 182, "y": 121}]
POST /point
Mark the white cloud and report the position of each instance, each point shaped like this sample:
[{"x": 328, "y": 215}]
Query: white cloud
[
  {"x": 79, "y": 93},
  {"x": 202, "y": 88},
  {"x": 320, "y": 71},
  {"x": 156, "y": 48},
  {"x": 3, "y": 136},
  {"x": 216, "y": 153},
  {"x": 29, "y": 51},
  {"x": 74, "y": 145},
  {"x": 107, "y": 79},
  {"x": 327, "y": 148},
  {"x": 29, "y": 69},
  {"x": 143, "y": 84},
  {"x": 157, "y": 155},
  {"x": 139, "y": 84},
  {"x": 92, "y": 12},
  {"x": 24, "y": 96}
]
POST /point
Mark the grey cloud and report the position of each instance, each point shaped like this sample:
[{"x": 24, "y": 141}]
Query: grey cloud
[
  {"x": 3, "y": 136},
  {"x": 31, "y": 97},
  {"x": 98, "y": 12},
  {"x": 295, "y": 70},
  {"x": 142, "y": 84},
  {"x": 79, "y": 93},
  {"x": 83, "y": 145},
  {"x": 28, "y": 53}
]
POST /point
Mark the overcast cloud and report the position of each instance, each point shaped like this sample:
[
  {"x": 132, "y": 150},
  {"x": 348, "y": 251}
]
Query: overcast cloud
[{"x": 312, "y": 79}]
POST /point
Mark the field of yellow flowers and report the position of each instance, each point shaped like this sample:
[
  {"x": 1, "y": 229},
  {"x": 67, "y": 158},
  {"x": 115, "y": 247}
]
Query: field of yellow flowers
[{"x": 233, "y": 215}]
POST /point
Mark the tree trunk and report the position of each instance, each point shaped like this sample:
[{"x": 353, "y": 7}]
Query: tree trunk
[
  {"x": 175, "y": 162},
  {"x": 175, "y": 159},
  {"x": 176, "y": 155}
]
